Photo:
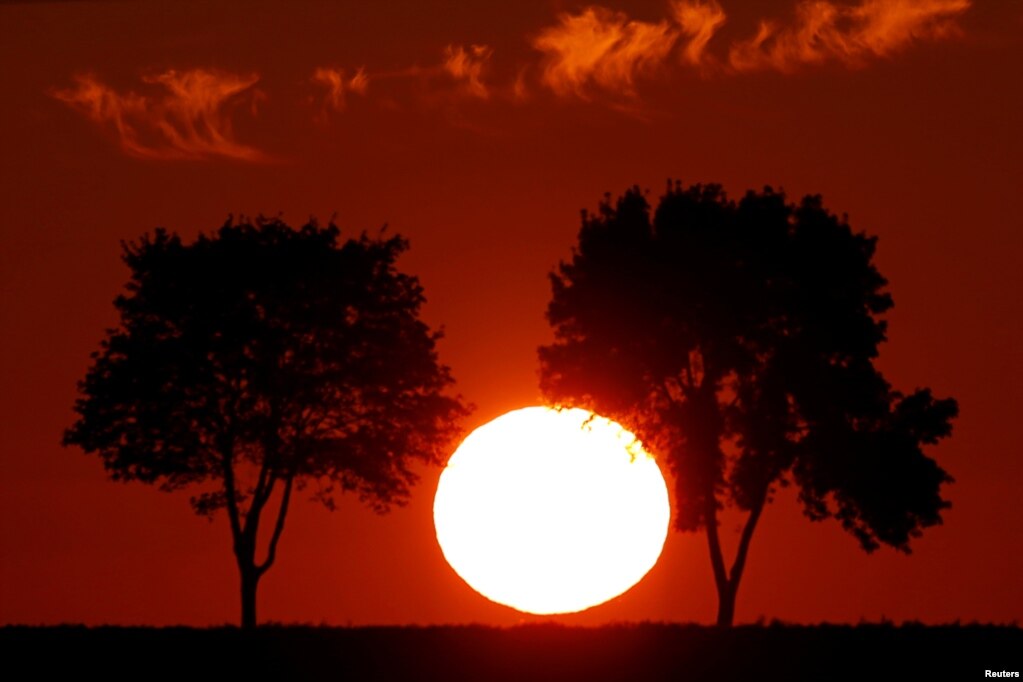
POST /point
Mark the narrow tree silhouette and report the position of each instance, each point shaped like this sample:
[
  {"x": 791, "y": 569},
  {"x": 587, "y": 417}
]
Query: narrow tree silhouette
[
  {"x": 258, "y": 360},
  {"x": 737, "y": 340}
]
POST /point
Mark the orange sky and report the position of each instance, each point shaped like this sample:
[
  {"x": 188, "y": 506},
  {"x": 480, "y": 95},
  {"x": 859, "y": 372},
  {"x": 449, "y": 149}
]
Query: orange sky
[{"x": 480, "y": 133}]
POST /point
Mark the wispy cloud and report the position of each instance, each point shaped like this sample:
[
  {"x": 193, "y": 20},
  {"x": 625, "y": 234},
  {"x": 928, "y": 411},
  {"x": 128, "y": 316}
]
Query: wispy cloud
[
  {"x": 595, "y": 53},
  {"x": 467, "y": 67},
  {"x": 339, "y": 85},
  {"x": 603, "y": 49},
  {"x": 189, "y": 119},
  {"x": 698, "y": 21},
  {"x": 823, "y": 30},
  {"x": 599, "y": 49}
]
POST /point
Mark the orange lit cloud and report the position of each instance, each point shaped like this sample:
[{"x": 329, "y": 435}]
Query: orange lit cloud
[
  {"x": 606, "y": 50},
  {"x": 190, "y": 119},
  {"x": 519, "y": 89},
  {"x": 603, "y": 49},
  {"x": 825, "y": 30},
  {"x": 338, "y": 86},
  {"x": 698, "y": 21},
  {"x": 467, "y": 66},
  {"x": 596, "y": 52}
]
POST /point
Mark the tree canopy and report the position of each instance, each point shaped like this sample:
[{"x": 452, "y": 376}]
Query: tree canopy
[
  {"x": 737, "y": 339},
  {"x": 262, "y": 359}
]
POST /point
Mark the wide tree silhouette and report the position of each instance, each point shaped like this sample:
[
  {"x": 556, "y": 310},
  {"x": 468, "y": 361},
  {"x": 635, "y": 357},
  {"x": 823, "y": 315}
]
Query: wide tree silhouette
[
  {"x": 737, "y": 339},
  {"x": 261, "y": 360}
]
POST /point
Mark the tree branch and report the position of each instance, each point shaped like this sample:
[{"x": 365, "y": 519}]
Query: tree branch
[
  {"x": 747, "y": 534},
  {"x": 230, "y": 488},
  {"x": 261, "y": 493},
  {"x": 231, "y": 494},
  {"x": 259, "y": 499},
  {"x": 282, "y": 512},
  {"x": 267, "y": 473},
  {"x": 717, "y": 561}
]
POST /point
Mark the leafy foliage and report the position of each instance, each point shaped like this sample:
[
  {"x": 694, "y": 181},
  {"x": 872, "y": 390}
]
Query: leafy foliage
[
  {"x": 738, "y": 340},
  {"x": 262, "y": 357}
]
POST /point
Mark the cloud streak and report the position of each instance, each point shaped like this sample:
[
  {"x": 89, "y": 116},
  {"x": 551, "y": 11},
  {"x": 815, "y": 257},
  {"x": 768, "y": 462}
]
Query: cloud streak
[
  {"x": 851, "y": 34},
  {"x": 338, "y": 86},
  {"x": 467, "y": 67},
  {"x": 189, "y": 119},
  {"x": 593, "y": 54},
  {"x": 602, "y": 49},
  {"x": 698, "y": 22}
]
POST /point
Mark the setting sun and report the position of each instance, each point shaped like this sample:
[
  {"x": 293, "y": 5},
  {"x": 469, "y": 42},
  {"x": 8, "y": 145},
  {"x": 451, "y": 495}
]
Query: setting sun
[
  {"x": 551, "y": 511},
  {"x": 292, "y": 293}
]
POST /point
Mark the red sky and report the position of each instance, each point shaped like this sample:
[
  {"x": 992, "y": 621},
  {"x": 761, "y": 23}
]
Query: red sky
[{"x": 479, "y": 133}]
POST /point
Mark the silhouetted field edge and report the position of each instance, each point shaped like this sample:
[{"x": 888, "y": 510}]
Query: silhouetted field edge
[{"x": 541, "y": 651}]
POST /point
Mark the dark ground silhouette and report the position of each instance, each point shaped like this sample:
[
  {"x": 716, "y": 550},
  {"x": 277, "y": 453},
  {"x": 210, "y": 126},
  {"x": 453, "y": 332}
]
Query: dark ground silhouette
[{"x": 531, "y": 652}]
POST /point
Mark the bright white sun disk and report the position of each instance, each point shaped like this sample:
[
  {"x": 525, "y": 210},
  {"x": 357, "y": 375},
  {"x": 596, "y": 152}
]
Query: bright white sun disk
[{"x": 551, "y": 511}]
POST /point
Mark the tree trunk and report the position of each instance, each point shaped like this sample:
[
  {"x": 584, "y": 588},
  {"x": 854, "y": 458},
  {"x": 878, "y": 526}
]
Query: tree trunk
[
  {"x": 245, "y": 538},
  {"x": 726, "y": 606},
  {"x": 727, "y": 582},
  {"x": 249, "y": 582}
]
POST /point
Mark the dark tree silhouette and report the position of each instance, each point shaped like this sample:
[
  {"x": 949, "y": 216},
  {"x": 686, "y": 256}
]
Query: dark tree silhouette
[
  {"x": 737, "y": 340},
  {"x": 260, "y": 360}
]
